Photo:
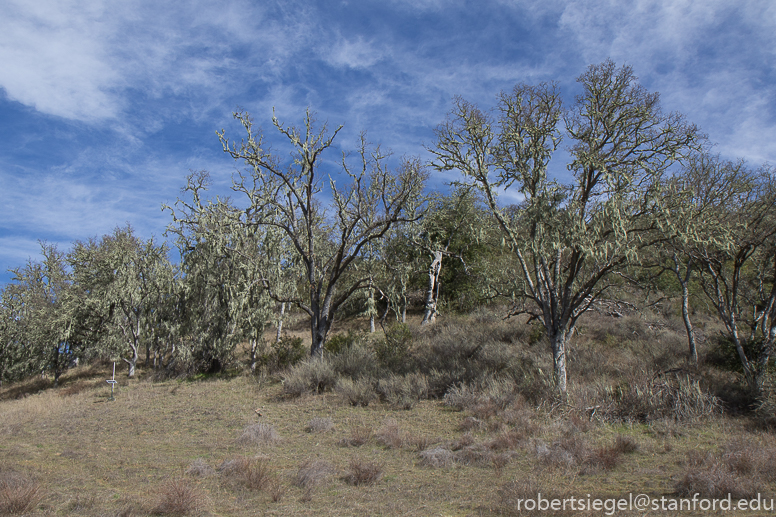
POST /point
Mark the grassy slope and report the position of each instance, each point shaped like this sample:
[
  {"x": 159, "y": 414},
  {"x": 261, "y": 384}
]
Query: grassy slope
[{"x": 93, "y": 457}]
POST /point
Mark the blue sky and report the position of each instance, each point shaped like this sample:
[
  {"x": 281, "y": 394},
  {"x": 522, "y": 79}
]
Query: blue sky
[{"x": 105, "y": 106}]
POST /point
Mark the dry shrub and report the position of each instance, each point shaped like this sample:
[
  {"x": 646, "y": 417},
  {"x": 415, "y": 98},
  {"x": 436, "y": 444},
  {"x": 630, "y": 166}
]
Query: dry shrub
[
  {"x": 404, "y": 391},
  {"x": 647, "y": 398},
  {"x": 625, "y": 444},
  {"x": 465, "y": 440},
  {"x": 389, "y": 434},
  {"x": 437, "y": 457},
  {"x": 359, "y": 435},
  {"x": 419, "y": 443},
  {"x": 252, "y": 473},
  {"x": 363, "y": 472},
  {"x": 477, "y": 455},
  {"x": 716, "y": 481},
  {"x": 514, "y": 494},
  {"x": 507, "y": 439},
  {"x": 199, "y": 468},
  {"x": 314, "y": 375},
  {"x": 259, "y": 434},
  {"x": 470, "y": 423},
  {"x": 178, "y": 497},
  {"x": 738, "y": 470},
  {"x": 487, "y": 399},
  {"x": 319, "y": 425},
  {"x": 18, "y": 493},
  {"x": 312, "y": 473},
  {"x": 358, "y": 393}
]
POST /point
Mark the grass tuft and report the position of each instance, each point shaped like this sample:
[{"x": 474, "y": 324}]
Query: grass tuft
[
  {"x": 178, "y": 497},
  {"x": 259, "y": 434},
  {"x": 363, "y": 472},
  {"x": 18, "y": 493}
]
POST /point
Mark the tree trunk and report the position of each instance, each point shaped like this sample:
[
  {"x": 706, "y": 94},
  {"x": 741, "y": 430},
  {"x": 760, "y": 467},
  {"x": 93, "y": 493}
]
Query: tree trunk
[
  {"x": 688, "y": 324},
  {"x": 558, "y": 344},
  {"x": 254, "y": 348},
  {"x": 280, "y": 322},
  {"x": 429, "y": 316}
]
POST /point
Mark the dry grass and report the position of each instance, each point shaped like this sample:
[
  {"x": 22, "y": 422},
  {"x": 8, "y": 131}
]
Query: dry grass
[
  {"x": 312, "y": 473},
  {"x": 98, "y": 458},
  {"x": 259, "y": 434},
  {"x": 363, "y": 472},
  {"x": 179, "y": 497},
  {"x": 319, "y": 425},
  {"x": 18, "y": 493}
]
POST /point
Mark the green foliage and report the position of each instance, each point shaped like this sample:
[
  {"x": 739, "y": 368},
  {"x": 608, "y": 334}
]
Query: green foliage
[
  {"x": 340, "y": 342},
  {"x": 393, "y": 351},
  {"x": 284, "y": 353}
]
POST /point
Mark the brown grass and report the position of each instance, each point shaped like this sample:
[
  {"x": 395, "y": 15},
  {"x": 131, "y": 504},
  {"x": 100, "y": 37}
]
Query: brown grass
[
  {"x": 179, "y": 497},
  {"x": 18, "y": 493},
  {"x": 312, "y": 473},
  {"x": 363, "y": 472},
  {"x": 98, "y": 458}
]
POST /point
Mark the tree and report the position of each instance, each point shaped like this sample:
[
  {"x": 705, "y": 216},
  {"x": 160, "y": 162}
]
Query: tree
[
  {"x": 569, "y": 239},
  {"x": 124, "y": 278},
  {"x": 37, "y": 331},
  {"x": 224, "y": 301},
  {"x": 738, "y": 268},
  {"x": 327, "y": 244}
]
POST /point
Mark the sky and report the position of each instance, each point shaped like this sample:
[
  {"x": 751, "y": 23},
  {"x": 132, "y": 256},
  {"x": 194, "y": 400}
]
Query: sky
[{"x": 106, "y": 106}]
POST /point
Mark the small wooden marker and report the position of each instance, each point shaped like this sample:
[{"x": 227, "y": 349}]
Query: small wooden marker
[{"x": 112, "y": 381}]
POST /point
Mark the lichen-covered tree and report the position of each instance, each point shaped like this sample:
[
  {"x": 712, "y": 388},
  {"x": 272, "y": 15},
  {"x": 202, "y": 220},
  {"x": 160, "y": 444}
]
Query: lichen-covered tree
[
  {"x": 223, "y": 300},
  {"x": 738, "y": 268},
  {"x": 38, "y": 335},
  {"x": 569, "y": 237},
  {"x": 327, "y": 241},
  {"x": 123, "y": 277}
]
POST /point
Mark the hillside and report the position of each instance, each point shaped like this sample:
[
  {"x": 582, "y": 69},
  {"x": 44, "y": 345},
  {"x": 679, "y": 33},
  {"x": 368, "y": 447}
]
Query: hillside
[{"x": 638, "y": 421}]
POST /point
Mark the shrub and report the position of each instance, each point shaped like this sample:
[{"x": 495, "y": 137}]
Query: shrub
[
  {"x": 389, "y": 434},
  {"x": 341, "y": 342},
  {"x": 393, "y": 351},
  {"x": 646, "y": 398},
  {"x": 312, "y": 473},
  {"x": 253, "y": 474},
  {"x": 313, "y": 375},
  {"x": 355, "y": 362},
  {"x": 18, "y": 493},
  {"x": 437, "y": 457},
  {"x": 259, "y": 434},
  {"x": 363, "y": 472},
  {"x": 358, "y": 393},
  {"x": 404, "y": 391},
  {"x": 199, "y": 468},
  {"x": 359, "y": 435},
  {"x": 319, "y": 425},
  {"x": 178, "y": 497},
  {"x": 284, "y": 353}
]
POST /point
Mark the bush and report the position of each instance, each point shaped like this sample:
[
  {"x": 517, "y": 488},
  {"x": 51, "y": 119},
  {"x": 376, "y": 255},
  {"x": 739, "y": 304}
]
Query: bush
[
  {"x": 341, "y": 342},
  {"x": 358, "y": 393},
  {"x": 253, "y": 474},
  {"x": 355, "y": 361},
  {"x": 259, "y": 434},
  {"x": 393, "y": 351},
  {"x": 313, "y": 375},
  {"x": 646, "y": 398},
  {"x": 18, "y": 493},
  {"x": 319, "y": 425},
  {"x": 284, "y": 353},
  {"x": 312, "y": 473},
  {"x": 403, "y": 391},
  {"x": 178, "y": 497},
  {"x": 363, "y": 472}
]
